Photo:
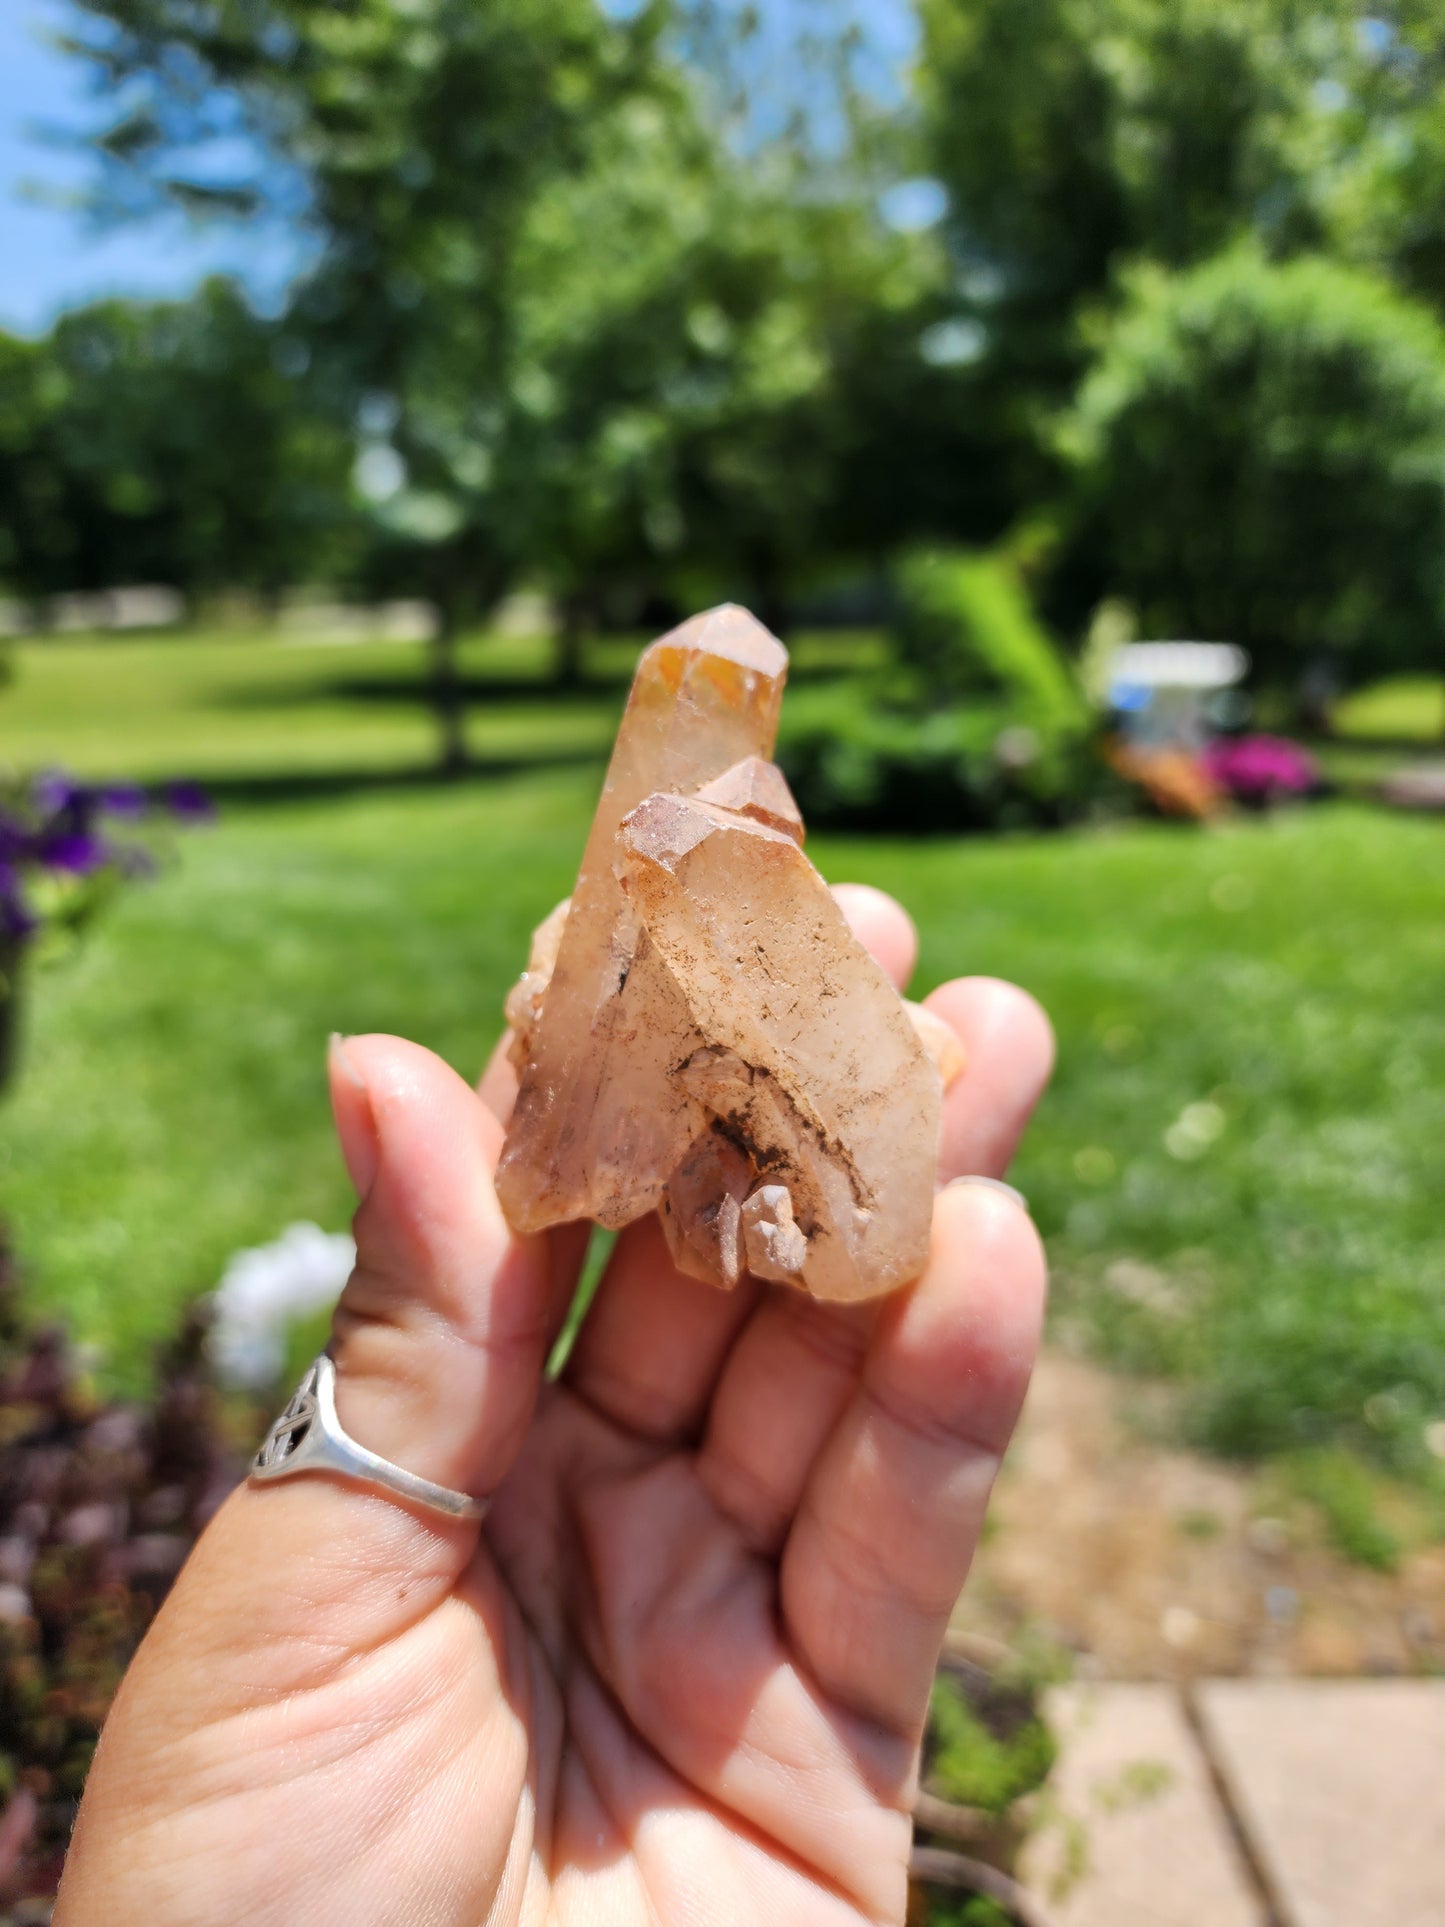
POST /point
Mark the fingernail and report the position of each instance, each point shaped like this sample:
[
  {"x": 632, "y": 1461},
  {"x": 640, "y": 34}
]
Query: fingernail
[
  {"x": 992, "y": 1184},
  {"x": 342, "y": 1058},
  {"x": 355, "y": 1120}
]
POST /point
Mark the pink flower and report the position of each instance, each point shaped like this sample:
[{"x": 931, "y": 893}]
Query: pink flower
[{"x": 1259, "y": 768}]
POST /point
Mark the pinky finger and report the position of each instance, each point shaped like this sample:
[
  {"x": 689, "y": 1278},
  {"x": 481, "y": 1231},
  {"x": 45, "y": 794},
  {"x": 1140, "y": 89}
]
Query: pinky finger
[{"x": 888, "y": 1525}]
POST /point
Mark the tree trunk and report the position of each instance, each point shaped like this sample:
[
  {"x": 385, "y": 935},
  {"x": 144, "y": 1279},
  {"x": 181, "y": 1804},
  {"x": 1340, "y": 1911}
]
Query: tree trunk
[
  {"x": 446, "y": 687},
  {"x": 572, "y": 630},
  {"x": 768, "y": 602}
]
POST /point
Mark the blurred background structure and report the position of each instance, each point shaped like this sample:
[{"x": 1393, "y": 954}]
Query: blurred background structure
[{"x": 375, "y": 378}]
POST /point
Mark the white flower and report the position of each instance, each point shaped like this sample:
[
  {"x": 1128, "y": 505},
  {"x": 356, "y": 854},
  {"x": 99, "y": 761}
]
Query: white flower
[{"x": 264, "y": 1290}]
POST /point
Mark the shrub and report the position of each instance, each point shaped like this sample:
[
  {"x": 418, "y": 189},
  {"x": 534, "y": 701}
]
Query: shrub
[
  {"x": 966, "y": 627},
  {"x": 99, "y": 1505},
  {"x": 986, "y": 1747},
  {"x": 1261, "y": 456},
  {"x": 976, "y": 724},
  {"x": 982, "y": 1758},
  {"x": 1346, "y": 1494}
]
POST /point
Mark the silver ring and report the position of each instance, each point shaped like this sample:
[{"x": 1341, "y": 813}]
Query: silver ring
[{"x": 309, "y": 1437}]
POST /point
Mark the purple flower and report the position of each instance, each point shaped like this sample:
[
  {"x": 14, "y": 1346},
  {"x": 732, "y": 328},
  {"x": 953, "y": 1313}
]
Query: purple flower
[
  {"x": 14, "y": 838},
  {"x": 51, "y": 822},
  {"x": 123, "y": 799},
  {"x": 1256, "y": 768},
  {"x": 190, "y": 803},
  {"x": 74, "y": 852},
  {"x": 61, "y": 810},
  {"x": 16, "y": 921},
  {"x": 52, "y": 792}
]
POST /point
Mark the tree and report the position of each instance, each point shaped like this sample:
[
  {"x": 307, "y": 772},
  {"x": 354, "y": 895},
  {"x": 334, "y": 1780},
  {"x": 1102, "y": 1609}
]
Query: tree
[
  {"x": 166, "y": 441},
  {"x": 595, "y": 330},
  {"x": 1073, "y": 135},
  {"x": 663, "y": 312},
  {"x": 1077, "y": 136},
  {"x": 36, "y": 529},
  {"x": 1260, "y": 451},
  {"x": 418, "y": 140}
]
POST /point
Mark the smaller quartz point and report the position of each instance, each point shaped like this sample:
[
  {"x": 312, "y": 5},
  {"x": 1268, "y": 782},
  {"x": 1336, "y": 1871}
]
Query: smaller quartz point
[
  {"x": 772, "y": 1237},
  {"x": 700, "y": 1033},
  {"x": 758, "y": 790},
  {"x": 524, "y": 1000},
  {"x": 702, "y": 1209}
]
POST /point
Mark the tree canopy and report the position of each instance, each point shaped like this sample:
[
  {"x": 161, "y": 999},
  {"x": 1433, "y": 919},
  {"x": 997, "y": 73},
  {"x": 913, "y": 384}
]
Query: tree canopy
[
  {"x": 1261, "y": 452},
  {"x": 166, "y": 442},
  {"x": 601, "y": 300}
]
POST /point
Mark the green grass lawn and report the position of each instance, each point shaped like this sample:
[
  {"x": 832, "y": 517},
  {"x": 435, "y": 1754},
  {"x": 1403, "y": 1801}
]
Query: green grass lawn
[
  {"x": 253, "y": 714},
  {"x": 1403, "y": 709},
  {"x": 1238, "y": 1169},
  {"x": 246, "y": 709}
]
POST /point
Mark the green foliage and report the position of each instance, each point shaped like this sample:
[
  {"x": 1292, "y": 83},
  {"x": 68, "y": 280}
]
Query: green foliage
[
  {"x": 1286, "y": 973},
  {"x": 1261, "y": 455},
  {"x": 165, "y": 442},
  {"x": 586, "y": 332},
  {"x": 1073, "y": 133},
  {"x": 1076, "y": 137},
  {"x": 592, "y": 322},
  {"x": 1380, "y": 186},
  {"x": 1080, "y": 139},
  {"x": 977, "y": 1910},
  {"x": 977, "y": 1766},
  {"x": 857, "y": 758},
  {"x": 965, "y": 625},
  {"x": 977, "y": 724},
  {"x": 1347, "y": 1495}
]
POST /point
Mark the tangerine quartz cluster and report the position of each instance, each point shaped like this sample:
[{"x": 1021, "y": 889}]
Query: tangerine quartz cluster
[{"x": 698, "y": 1032}]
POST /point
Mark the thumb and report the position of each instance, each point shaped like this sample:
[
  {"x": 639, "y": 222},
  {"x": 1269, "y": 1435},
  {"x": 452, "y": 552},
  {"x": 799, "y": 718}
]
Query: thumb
[
  {"x": 247, "y": 1682},
  {"x": 439, "y": 1340},
  {"x": 443, "y": 1328}
]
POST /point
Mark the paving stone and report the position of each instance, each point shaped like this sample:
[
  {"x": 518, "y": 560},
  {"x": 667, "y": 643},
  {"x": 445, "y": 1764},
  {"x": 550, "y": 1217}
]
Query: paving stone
[
  {"x": 1131, "y": 1797},
  {"x": 1340, "y": 1785}
]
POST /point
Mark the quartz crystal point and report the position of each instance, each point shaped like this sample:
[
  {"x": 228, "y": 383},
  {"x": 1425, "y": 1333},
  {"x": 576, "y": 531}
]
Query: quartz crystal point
[
  {"x": 700, "y": 1033},
  {"x": 589, "y": 1137}
]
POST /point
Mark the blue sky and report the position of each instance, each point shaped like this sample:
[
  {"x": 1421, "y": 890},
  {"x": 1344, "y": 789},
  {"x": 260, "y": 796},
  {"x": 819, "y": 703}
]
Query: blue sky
[{"x": 51, "y": 259}]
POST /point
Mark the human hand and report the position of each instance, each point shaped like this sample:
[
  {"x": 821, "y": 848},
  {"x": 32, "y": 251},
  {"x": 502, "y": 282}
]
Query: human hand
[{"x": 680, "y": 1673}]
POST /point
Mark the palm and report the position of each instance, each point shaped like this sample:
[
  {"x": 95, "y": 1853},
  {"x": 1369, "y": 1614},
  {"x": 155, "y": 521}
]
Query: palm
[
  {"x": 676, "y": 1705},
  {"x": 683, "y": 1672}
]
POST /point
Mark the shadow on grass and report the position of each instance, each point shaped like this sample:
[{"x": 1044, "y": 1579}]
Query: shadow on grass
[
  {"x": 601, "y": 686},
  {"x": 294, "y": 786},
  {"x": 476, "y": 691}
]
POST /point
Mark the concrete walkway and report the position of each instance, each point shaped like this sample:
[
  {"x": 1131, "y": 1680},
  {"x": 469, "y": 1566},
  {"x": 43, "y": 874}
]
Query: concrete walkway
[{"x": 1244, "y": 1803}]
